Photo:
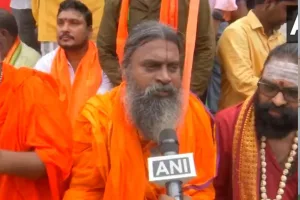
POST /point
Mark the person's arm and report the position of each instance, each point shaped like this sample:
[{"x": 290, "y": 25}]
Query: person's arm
[
  {"x": 47, "y": 136},
  {"x": 217, "y": 19},
  {"x": 23, "y": 164},
  {"x": 224, "y": 127},
  {"x": 204, "y": 50},
  {"x": 106, "y": 41},
  {"x": 235, "y": 61},
  {"x": 86, "y": 181},
  {"x": 43, "y": 64}
]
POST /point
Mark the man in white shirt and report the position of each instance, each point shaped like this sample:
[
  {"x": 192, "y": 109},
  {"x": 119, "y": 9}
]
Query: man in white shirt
[
  {"x": 74, "y": 64},
  {"x": 21, "y": 9}
]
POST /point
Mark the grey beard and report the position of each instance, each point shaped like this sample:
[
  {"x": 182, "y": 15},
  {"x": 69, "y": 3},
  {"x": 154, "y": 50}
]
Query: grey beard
[{"x": 149, "y": 113}]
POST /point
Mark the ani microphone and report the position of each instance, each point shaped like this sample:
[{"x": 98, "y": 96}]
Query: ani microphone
[{"x": 172, "y": 169}]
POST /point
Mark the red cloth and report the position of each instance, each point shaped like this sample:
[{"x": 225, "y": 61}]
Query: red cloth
[
  {"x": 5, "y": 4},
  {"x": 225, "y": 124}
]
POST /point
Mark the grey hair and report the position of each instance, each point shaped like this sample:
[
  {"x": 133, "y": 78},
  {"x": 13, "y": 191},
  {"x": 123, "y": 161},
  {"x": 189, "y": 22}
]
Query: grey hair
[
  {"x": 287, "y": 51},
  {"x": 146, "y": 32}
]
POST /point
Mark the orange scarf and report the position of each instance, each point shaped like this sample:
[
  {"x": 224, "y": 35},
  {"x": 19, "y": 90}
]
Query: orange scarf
[
  {"x": 11, "y": 52},
  {"x": 245, "y": 155},
  {"x": 168, "y": 15},
  {"x": 127, "y": 177},
  {"x": 88, "y": 78}
]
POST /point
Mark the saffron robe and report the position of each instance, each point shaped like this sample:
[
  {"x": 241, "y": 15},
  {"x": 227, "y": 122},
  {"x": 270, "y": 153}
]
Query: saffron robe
[
  {"x": 87, "y": 80},
  {"x": 226, "y": 184},
  {"x": 31, "y": 119},
  {"x": 110, "y": 158}
]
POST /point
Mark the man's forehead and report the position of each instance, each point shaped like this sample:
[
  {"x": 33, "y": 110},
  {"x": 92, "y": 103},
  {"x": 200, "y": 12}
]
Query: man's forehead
[
  {"x": 159, "y": 50},
  {"x": 70, "y": 14},
  {"x": 283, "y": 70}
]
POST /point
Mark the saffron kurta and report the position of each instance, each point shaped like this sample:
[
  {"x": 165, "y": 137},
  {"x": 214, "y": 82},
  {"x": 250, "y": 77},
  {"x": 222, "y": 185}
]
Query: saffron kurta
[
  {"x": 31, "y": 119},
  {"x": 110, "y": 158},
  {"x": 226, "y": 184}
]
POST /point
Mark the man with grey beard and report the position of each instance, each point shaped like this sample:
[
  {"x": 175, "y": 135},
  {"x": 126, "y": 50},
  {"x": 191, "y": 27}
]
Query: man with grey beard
[{"x": 118, "y": 131}]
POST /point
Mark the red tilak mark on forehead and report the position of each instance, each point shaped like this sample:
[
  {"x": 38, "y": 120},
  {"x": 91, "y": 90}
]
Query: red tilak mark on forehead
[{"x": 281, "y": 83}]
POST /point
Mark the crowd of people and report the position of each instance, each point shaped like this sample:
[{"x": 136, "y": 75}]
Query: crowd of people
[{"x": 86, "y": 88}]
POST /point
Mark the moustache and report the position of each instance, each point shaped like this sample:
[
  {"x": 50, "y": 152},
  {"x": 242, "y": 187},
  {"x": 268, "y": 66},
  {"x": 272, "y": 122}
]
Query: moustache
[
  {"x": 283, "y": 110},
  {"x": 66, "y": 36},
  {"x": 157, "y": 88}
]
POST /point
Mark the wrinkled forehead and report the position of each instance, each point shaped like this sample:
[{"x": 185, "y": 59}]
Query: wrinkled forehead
[{"x": 278, "y": 70}]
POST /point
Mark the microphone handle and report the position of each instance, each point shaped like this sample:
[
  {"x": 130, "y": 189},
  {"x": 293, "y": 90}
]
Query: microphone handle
[{"x": 174, "y": 189}]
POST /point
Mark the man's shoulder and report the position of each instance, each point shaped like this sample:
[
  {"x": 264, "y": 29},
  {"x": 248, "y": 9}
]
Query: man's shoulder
[
  {"x": 239, "y": 26},
  {"x": 35, "y": 81},
  {"x": 100, "y": 105},
  {"x": 228, "y": 116},
  {"x": 27, "y": 57},
  {"x": 30, "y": 51},
  {"x": 50, "y": 55},
  {"x": 45, "y": 62}
]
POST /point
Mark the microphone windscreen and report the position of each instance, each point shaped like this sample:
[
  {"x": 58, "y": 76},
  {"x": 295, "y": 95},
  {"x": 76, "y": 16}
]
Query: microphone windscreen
[{"x": 168, "y": 141}]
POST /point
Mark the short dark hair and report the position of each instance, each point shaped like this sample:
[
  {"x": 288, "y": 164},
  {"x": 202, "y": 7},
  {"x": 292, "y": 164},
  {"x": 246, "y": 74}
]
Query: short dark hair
[
  {"x": 8, "y": 22},
  {"x": 287, "y": 51},
  {"x": 148, "y": 31},
  {"x": 78, "y": 6}
]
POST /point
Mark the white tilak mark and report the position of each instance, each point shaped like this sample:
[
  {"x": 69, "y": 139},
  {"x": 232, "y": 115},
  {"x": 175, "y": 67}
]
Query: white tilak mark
[{"x": 279, "y": 70}]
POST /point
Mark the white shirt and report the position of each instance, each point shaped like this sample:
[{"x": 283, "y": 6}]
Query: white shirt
[
  {"x": 20, "y": 4},
  {"x": 45, "y": 64}
]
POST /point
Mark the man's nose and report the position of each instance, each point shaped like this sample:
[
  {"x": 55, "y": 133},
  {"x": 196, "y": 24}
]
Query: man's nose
[
  {"x": 163, "y": 76},
  {"x": 65, "y": 27},
  {"x": 279, "y": 99}
]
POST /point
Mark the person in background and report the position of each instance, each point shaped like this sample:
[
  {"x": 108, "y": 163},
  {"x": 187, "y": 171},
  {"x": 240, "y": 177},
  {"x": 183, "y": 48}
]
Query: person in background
[
  {"x": 223, "y": 12},
  {"x": 15, "y": 52},
  {"x": 116, "y": 132},
  {"x": 21, "y": 9},
  {"x": 75, "y": 65},
  {"x": 227, "y": 11},
  {"x": 35, "y": 135},
  {"x": 177, "y": 17},
  {"x": 244, "y": 47},
  {"x": 259, "y": 137},
  {"x": 45, "y": 15}
]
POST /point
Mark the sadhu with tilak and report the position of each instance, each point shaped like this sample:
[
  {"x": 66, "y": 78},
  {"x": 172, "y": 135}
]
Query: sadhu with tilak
[{"x": 259, "y": 138}]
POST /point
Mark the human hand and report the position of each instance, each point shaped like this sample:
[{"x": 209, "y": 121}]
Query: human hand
[{"x": 166, "y": 197}]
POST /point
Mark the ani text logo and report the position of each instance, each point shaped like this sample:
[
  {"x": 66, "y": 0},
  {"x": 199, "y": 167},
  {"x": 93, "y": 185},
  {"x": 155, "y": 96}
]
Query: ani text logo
[{"x": 292, "y": 24}]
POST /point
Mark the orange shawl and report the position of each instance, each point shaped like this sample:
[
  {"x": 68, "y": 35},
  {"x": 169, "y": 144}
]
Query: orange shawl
[
  {"x": 121, "y": 163},
  {"x": 31, "y": 118},
  {"x": 168, "y": 15},
  {"x": 245, "y": 155},
  {"x": 88, "y": 78}
]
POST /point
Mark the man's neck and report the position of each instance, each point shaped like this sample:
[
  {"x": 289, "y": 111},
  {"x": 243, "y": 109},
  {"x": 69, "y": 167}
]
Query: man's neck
[
  {"x": 74, "y": 56},
  {"x": 267, "y": 28},
  {"x": 282, "y": 148}
]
